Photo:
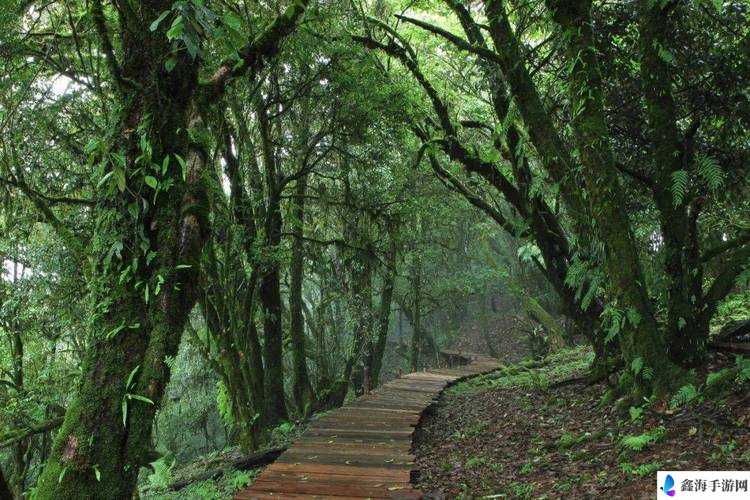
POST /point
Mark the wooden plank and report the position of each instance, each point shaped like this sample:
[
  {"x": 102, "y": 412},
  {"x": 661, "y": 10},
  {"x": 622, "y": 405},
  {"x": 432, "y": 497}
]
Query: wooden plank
[
  {"x": 362, "y": 490},
  {"x": 338, "y": 478},
  {"x": 349, "y": 470},
  {"x": 267, "y": 495},
  {"x": 363, "y": 449}
]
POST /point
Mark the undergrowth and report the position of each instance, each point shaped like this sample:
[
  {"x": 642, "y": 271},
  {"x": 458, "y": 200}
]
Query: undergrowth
[{"x": 537, "y": 374}]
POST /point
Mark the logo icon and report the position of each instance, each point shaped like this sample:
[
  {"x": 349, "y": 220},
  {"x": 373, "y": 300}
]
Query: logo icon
[{"x": 668, "y": 487}]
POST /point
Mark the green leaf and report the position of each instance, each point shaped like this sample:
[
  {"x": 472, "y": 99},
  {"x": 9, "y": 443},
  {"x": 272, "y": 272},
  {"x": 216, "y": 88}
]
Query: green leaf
[
  {"x": 97, "y": 473},
  {"x": 115, "y": 331},
  {"x": 155, "y": 25},
  {"x": 124, "y": 412},
  {"x": 183, "y": 164},
  {"x": 120, "y": 179},
  {"x": 635, "y": 413},
  {"x": 170, "y": 63},
  {"x": 141, "y": 398},
  {"x": 178, "y": 27},
  {"x": 92, "y": 146},
  {"x": 151, "y": 181},
  {"x": 679, "y": 186},
  {"x": 129, "y": 381},
  {"x": 666, "y": 55},
  {"x": 710, "y": 171},
  {"x": 233, "y": 20},
  {"x": 637, "y": 365},
  {"x": 104, "y": 179},
  {"x": 633, "y": 316}
]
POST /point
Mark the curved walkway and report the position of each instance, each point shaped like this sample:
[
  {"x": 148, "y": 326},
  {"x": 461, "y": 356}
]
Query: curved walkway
[{"x": 363, "y": 449}]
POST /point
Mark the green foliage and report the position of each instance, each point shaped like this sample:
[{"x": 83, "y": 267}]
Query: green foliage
[
  {"x": 679, "y": 186},
  {"x": 684, "y": 395},
  {"x": 642, "y": 470},
  {"x": 641, "y": 441},
  {"x": 239, "y": 479},
  {"x": 710, "y": 171},
  {"x": 474, "y": 462},
  {"x": 636, "y": 413},
  {"x": 161, "y": 477},
  {"x": 718, "y": 378},
  {"x": 743, "y": 367},
  {"x": 284, "y": 432}
]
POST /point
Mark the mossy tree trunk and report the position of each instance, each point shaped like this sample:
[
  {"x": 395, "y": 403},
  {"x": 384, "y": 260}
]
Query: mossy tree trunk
[
  {"x": 642, "y": 343},
  {"x": 143, "y": 298},
  {"x": 416, "y": 313},
  {"x": 302, "y": 388},
  {"x": 386, "y": 300},
  {"x": 270, "y": 286},
  {"x": 671, "y": 152}
]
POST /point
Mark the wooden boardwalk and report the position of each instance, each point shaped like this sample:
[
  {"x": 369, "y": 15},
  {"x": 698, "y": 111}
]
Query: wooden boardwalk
[{"x": 363, "y": 449}]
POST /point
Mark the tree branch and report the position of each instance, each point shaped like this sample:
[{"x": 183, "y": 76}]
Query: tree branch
[
  {"x": 254, "y": 55},
  {"x": 97, "y": 14},
  {"x": 726, "y": 246},
  {"x": 16, "y": 435}
]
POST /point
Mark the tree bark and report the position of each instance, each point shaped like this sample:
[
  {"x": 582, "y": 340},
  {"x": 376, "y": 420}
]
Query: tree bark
[
  {"x": 302, "y": 389},
  {"x": 686, "y": 339},
  {"x": 270, "y": 286},
  {"x": 105, "y": 436},
  {"x": 4, "y": 488},
  {"x": 384, "y": 313},
  {"x": 416, "y": 316}
]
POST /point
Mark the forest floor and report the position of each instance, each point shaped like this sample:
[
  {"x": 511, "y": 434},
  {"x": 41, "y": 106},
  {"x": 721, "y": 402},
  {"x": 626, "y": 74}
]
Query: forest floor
[
  {"x": 214, "y": 476},
  {"x": 515, "y": 434}
]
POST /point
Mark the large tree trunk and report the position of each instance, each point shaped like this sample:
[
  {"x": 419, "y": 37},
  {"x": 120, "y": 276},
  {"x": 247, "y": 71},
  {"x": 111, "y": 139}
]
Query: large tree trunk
[
  {"x": 4, "y": 489},
  {"x": 641, "y": 341},
  {"x": 247, "y": 208},
  {"x": 146, "y": 250},
  {"x": 555, "y": 334},
  {"x": 384, "y": 314},
  {"x": 686, "y": 337},
  {"x": 270, "y": 299},
  {"x": 143, "y": 299},
  {"x": 270, "y": 286},
  {"x": 416, "y": 316},
  {"x": 302, "y": 389},
  {"x": 20, "y": 447}
]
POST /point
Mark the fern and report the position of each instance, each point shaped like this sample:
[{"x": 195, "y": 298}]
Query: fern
[
  {"x": 637, "y": 365},
  {"x": 743, "y": 279},
  {"x": 719, "y": 377},
  {"x": 679, "y": 186},
  {"x": 635, "y": 413},
  {"x": 743, "y": 364},
  {"x": 710, "y": 171},
  {"x": 666, "y": 55},
  {"x": 639, "y": 442},
  {"x": 685, "y": 394},
  {"x": 613, "y": 320}
]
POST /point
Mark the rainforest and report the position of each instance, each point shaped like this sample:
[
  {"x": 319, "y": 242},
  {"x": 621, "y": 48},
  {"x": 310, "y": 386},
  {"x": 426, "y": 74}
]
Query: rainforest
[{"x": 373, "y": 248}]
